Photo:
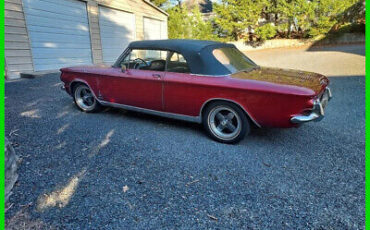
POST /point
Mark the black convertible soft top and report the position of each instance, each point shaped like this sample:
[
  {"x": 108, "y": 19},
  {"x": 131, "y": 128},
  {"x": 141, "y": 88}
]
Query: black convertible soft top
[{"x": 197, "y": 53}]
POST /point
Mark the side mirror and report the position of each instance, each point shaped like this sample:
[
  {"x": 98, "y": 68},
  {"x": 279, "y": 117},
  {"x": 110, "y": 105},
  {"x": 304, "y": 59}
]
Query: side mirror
[{"x": 123, "y": 68}]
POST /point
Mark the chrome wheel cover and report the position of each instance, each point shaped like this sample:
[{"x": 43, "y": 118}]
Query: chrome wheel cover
[
  {"x": 84, "y": 98},
  {"x": 224, "y": 123}
]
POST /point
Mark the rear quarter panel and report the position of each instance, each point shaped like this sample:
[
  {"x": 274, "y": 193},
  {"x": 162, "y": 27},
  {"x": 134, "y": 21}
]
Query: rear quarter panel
[
  {"x": 69, "y": 77},
  {"x": 268, "y": 104}
]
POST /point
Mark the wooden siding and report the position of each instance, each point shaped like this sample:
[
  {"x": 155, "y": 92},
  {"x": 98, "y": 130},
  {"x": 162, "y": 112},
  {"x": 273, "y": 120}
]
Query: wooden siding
[
  {"x": 140, "y": 8},
  {"x": 17, "y": 46},
  {"x": 17, "y": 43},
  {"x": 93, "y": 14}
]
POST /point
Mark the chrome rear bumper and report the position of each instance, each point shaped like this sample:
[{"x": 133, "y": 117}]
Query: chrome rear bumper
[{"x": 317, "y": 113}]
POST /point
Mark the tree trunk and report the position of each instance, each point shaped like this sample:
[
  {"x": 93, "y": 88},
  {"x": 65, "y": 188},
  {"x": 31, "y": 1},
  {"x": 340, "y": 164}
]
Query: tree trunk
[
  {"x": 289, "y": 28},
  {"x": 234, "y": 34}
]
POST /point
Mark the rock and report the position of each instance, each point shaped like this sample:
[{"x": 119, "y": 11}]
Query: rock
[{"x": 11, "y": 175}]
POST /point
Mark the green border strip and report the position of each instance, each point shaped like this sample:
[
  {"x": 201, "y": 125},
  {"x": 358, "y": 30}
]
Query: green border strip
[
  {"x": 2, "y": 96},
  {"x": 367, "y": 138}
]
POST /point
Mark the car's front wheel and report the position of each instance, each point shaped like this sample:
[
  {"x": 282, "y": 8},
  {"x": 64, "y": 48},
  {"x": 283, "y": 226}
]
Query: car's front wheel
[
  {"x": 84, "y": 99},
  {"x": 225, "y": 122}
]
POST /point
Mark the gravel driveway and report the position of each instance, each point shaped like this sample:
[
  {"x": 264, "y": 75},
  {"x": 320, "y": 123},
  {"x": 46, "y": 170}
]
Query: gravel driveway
[{"x": 125, "y": 170}]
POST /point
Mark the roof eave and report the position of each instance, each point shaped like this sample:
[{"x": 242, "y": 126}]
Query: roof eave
[{"x": 156, "y": 7}]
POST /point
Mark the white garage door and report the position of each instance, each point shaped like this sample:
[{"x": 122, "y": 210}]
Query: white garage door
[
  {"x": 154, "y": 29},
  {"x": 117, "y": 30},
  {"x": 59, "y": 33}
]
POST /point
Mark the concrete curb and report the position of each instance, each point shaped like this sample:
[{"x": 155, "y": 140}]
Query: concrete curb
[
  {"x": 345, "y": 39},
  {"x": 31, "y": 75}
]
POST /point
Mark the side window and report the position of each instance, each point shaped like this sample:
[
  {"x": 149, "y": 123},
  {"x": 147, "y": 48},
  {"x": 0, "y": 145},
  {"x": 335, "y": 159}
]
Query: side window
[
  {"x": 154, "y": 60},
  {"x": 177, "y": 64}
]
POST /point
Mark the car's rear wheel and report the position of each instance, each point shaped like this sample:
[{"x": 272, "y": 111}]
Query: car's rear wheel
[
  {"x": 84, "y": 99},
  {"x": 225, "y": 122}
]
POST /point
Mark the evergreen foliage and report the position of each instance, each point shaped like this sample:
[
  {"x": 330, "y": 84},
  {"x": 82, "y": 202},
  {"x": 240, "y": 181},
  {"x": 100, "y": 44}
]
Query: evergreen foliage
[
  {"x": 183, "y": 24},
  {"x": 266, "y": 31},
  {"x": 234, "y": 17},
  {"x": 159, "y": 3},
  {"x": 260, "y": 19}
]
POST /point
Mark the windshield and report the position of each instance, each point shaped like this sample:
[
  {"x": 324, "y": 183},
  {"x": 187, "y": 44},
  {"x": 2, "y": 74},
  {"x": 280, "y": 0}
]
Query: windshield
[{"x": 234, "y": 60}]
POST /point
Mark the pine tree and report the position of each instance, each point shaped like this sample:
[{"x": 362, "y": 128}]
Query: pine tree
[
  {"x": 183, "y": 24},
  {"x": 326, "y": 14},
  {"x": 201, "y": 29},
  {"x": 159, "y": 3},
  {"x": 294, "y": 15},
  {"x": 179, "y": 23},
  {"x": 235, "y": 16}
]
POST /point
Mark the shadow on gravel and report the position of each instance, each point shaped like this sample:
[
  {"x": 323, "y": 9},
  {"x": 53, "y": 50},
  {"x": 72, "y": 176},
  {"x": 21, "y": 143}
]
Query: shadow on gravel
[
  {"x": 153, "y": 119},
  {"x": 347, "y": 48}
]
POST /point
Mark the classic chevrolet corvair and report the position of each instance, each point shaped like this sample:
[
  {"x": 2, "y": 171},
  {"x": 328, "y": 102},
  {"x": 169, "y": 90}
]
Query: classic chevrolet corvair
[{"x": 200, "y": 81}]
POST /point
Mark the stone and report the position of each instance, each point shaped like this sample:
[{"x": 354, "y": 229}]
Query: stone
[{"x": 11, "y": 165}]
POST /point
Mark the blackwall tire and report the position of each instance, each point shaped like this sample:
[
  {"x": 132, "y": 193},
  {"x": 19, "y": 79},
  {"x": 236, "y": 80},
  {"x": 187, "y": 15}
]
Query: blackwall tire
[
  {"x": 225, "y": 122},
  {"x": 84, "y": 99}
]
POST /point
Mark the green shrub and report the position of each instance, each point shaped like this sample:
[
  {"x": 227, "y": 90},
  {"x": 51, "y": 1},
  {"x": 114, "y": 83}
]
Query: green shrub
[{"x": 265, "y": 32}]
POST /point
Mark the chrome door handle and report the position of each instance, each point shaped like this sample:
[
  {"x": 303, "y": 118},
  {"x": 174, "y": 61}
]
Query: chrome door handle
[{"x": 156, "y": 75}]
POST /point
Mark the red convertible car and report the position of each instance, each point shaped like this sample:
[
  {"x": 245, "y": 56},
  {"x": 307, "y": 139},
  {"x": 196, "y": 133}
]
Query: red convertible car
[{"x": 200, "y": 81}]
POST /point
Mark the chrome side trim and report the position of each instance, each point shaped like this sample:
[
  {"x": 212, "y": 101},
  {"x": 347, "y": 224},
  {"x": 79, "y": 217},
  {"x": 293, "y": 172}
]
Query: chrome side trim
[
  {"x": 205, "y": 75},
  {"x": 196, "y": 119},
  {"x": 223, "y": 99}
]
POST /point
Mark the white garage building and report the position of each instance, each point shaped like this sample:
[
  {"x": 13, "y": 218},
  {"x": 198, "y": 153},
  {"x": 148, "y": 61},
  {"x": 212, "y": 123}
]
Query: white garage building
[{"x": 42, "y": 35}]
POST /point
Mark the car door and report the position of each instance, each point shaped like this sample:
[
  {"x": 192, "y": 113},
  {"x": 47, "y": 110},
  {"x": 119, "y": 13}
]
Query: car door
[
  {"x": 181, "y": 92},
  {"x": 138, "y": 85}
]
